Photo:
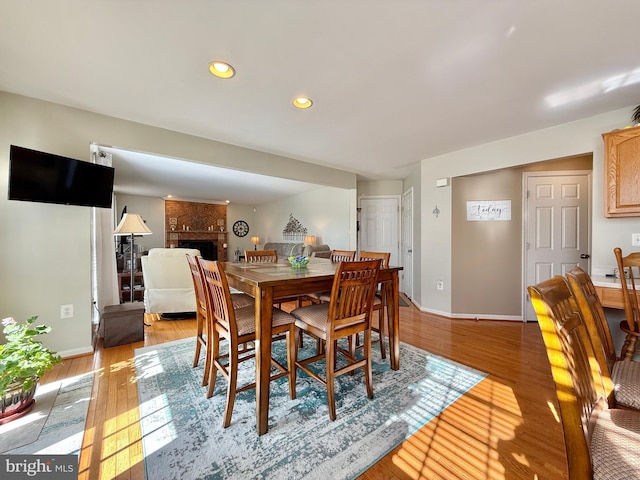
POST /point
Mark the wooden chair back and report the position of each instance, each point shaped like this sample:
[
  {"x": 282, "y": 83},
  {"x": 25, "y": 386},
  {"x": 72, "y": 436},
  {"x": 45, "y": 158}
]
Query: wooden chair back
[
  {"x": 238, "y": 328},
  {"x": 348, "y": 313},
  {"x": 342, "y": 255},
  {"x": 261, "y": 256},
  {"x": 594, "y": 318},
  {"x": 380, "y": 300},
  {"x": 198, "y": 284},
  {"x": 220, "y": 312},
  {"x": 592, "y": 312},
  {"x": 384, "y": 256},
  {"x": 630, "y": 263},
  {"x": 351, "y": 300},
  {"x": 201, "y": 314},
  {"x": 578, "y": 381}
]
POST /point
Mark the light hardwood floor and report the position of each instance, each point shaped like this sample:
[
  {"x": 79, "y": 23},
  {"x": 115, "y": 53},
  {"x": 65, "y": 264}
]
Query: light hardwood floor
[{"x": 504, "y": 428}]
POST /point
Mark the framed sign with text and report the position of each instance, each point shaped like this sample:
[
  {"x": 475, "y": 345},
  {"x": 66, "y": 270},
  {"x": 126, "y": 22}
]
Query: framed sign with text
[{"x": 488, "y": 210}]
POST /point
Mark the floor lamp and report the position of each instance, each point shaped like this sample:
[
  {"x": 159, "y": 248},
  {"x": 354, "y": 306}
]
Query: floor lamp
[{"x": 132, "y": 224}]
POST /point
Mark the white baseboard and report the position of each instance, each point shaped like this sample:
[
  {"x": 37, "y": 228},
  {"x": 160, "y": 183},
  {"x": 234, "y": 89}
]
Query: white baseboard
[
  {"x": 472, "y": 316},
  {"x": 75, "y": 352}
]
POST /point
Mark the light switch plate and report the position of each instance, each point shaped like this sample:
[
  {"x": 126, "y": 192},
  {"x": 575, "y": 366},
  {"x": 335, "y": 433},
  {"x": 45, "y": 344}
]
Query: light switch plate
[{"x": 635, "y": 239}]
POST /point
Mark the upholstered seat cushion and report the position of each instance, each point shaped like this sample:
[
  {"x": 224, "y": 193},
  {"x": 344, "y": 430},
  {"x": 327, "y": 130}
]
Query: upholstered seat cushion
[
  {"x": 626, "y": 381},
  {"x": 246, "y": 320},
  {"x": 614, "y": 445},
  {"x": 313, "y": 315},
  {"x": 240, "y": 300}
]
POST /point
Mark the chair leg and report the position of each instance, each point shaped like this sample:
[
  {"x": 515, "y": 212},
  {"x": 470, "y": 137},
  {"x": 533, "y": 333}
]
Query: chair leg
[
  {"x": 232, "y": 383},
  {"x": 368, "y": 375},
  {"x": 292, "y": 344},
  {"x": 207, "y": 360},
  {"x": 383, "y": 350},
  {"x": 199, "y": 339},
  {"x": 629, "y": 347},
  {"x": 297, "y": 334},
  {"x": 213, "y": 369},
  {"x": 330, "y": 360}
]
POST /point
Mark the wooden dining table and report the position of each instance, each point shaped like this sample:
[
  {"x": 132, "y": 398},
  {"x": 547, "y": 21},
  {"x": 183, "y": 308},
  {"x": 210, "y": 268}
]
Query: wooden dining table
[{"x": 268, "y": 281}]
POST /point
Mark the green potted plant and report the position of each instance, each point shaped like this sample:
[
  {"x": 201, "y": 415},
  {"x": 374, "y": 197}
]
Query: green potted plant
[{"x": 23, "y": 359}]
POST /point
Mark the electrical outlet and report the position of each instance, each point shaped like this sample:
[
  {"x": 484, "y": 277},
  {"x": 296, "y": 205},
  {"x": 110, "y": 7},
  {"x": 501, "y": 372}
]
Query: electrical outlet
[
  {"x": 66, "y": 311},
  {"x": 440, "y": 285},
  {"x": 635, "y": 239}
]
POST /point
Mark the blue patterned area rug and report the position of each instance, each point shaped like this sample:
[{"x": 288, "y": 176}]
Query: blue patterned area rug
[{"x": 183, "y": 436}]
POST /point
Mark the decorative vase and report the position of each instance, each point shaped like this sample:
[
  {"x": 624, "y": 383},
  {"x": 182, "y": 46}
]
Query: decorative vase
[{"x": 16, "y": 402}]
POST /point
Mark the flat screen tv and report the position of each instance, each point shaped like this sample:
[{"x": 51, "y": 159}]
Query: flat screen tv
[{"x": 44, "y": 177}]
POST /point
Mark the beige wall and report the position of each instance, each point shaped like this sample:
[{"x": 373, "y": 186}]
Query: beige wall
[
  {"x": 381, "y": 187},
  {"x": 327, "y": 213},
  {"x": 235, "y": 213},
  {"x": 151, "y": 209},
  {"x": 571, "y": 139},
  {"x": 486, "y": 265},
  {"x": 45, "y": 259}
]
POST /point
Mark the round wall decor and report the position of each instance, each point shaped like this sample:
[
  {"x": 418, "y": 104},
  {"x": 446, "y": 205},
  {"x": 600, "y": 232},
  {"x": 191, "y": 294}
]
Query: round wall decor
[{"x": 240, "y": 228}]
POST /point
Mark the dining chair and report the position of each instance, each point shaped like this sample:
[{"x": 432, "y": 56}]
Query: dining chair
[
  {"x": 600, "y": 442},
  {"x": 336, "y": 256},
  {"x": 379, "y": 301},
  {"x": 621, "y": 378},
  {"x": 201, "y": 314},
  {"x": 347, "y": 313},
  {"x": 239, "y": 300},
  {"x": 269, "y": 256},
  {"x": 237, "y": 327},
  {"x": 258, "y": 256},
  {"x": 629, "y": 266}
]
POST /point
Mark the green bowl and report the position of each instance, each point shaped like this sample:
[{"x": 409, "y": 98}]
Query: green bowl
[{"x": 298, "y": 262}]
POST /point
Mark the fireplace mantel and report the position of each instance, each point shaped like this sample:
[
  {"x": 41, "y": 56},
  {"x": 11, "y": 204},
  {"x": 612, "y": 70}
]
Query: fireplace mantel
[
  {"x": 196, "y": 221},
  {"x": 219, "y": 238}
]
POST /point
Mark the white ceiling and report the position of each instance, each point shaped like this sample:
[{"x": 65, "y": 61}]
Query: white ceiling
[
  {"x": 185, "y": 180},
  {"x": 393, "y": 81}
]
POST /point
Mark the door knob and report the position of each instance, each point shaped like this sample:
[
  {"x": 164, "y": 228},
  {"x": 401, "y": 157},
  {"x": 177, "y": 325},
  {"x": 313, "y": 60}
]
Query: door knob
[{"x": 585, "y": 255}]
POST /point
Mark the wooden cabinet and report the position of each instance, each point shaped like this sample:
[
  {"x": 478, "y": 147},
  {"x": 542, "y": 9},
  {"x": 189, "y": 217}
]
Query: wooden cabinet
[{"x": 622, "y": 173}]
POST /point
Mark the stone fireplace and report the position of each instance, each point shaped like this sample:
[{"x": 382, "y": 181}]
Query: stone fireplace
[
  {"x": 197, "y": 225},
  {"x": 208, "y": 249}
]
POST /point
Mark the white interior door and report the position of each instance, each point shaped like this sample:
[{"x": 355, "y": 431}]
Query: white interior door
[
  {"x": 406, "y": 244},
  {"x": 379, "y": 226},
  {"x": 557, "y": 230}
]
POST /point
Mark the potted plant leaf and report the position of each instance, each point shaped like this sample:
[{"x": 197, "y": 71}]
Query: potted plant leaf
[{"x": 23, "y": 359}]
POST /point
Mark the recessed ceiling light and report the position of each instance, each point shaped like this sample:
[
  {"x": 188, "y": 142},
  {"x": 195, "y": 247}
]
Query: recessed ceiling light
[
  {"x": 221, "y": 69},
  {"x": 302, "y": 102}
]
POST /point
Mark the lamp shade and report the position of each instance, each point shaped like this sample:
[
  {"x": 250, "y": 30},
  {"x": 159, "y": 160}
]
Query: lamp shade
[
  {"x": 310, "y": 240},
  {"x": 255, "y": 240},
  {"x": 132, "y": 224}
]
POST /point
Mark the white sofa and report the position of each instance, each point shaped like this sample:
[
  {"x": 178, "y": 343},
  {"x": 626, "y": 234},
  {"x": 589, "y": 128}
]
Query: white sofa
[{"x": 168, "y": 283}]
